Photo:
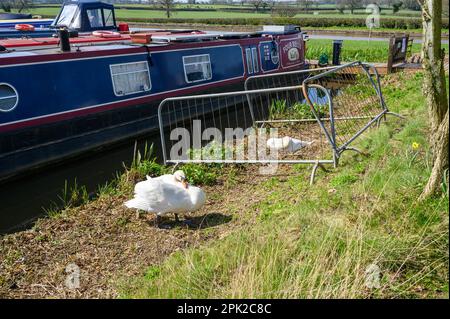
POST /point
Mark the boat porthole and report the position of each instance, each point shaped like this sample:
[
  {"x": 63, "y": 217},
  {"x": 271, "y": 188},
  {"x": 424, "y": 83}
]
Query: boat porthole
[{"x": 9, "y": 98}]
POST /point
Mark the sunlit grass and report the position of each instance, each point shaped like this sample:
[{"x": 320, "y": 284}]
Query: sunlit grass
[{"x": 355, "y": 50}]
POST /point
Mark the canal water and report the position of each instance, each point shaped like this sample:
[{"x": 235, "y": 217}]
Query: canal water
[{"x": 25, "y": 199}]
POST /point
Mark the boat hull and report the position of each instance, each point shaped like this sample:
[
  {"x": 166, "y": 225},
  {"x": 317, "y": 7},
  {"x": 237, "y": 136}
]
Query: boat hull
[{"x": 36, "y": 147}]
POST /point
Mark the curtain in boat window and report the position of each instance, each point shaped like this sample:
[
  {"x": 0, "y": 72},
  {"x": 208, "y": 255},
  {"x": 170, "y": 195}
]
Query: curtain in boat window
[
  {"x": 197, "y": 68},
  {"x": 248, "y": 56},
  {"x": 130, "y": 78},
  {"x": 255, "y": 60}
]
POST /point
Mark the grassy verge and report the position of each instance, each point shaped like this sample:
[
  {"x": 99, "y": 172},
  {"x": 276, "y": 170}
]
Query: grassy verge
[{"x": 324, "y": 241}]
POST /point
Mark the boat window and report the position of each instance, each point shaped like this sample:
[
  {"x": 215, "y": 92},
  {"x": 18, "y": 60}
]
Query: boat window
[
  {"x": 8, "y": 97},
  {"x": 130, "y": 78},
  {"x": 67, "y": 15},
  {"x": 248, "y": 56},
  {"x": 255, "y": 60},
  {"x": 95, "y": 18},
  {"x": 109, "y": 18},
  {"x": 197, "y": 68},
  {"x": 76, "y": 22}
]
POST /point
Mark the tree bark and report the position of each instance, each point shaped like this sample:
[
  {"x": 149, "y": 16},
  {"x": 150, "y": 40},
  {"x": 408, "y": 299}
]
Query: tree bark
[
  {"x": 441, "y": 161},
  {"x": 435, "y": 91},
  {"x": 434, "y": 86}
]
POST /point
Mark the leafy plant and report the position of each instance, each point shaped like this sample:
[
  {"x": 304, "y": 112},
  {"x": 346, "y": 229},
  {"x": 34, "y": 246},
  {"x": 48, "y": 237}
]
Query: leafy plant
[
  {"x": 201, "y": 174},
  {"x": 277, "y": 108},
  {"x": 146, "y": 164}
]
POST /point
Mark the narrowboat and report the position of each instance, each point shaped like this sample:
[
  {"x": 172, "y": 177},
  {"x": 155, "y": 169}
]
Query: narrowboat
[
  {"x": 78, "y": 16},
  {"x": 61, "y": 102}
]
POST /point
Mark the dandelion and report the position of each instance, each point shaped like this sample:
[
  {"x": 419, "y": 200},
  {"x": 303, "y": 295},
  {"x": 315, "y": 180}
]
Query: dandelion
[{"x": 415, "y": 146}]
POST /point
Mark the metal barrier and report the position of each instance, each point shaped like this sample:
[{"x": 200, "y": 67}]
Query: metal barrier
[
  {"x": 277, "y": 80},
  {"x": 218, "y": 128},
  {"x": 305, "y": 116},
  {"x": 354, "y": 91}
]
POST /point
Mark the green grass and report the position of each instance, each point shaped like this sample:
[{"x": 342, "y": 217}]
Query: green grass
[
  {"x": 357, "y": 28},
  {"x": 321, "y": 245},
  {"x": 367, "y": 51}
]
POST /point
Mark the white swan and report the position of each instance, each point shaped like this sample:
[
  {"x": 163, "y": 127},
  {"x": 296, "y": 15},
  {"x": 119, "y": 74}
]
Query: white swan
[
  {"x": 162, "y": 196},
  {"x": 286, "y": 143},
  {"x": 178, "y": 178}
]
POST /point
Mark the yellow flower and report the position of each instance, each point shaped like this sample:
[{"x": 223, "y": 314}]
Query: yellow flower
[{"x": 415, "y": 146}]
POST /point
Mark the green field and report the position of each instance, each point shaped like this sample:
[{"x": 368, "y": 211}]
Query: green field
[
  {"x": 125, "y": 13},
  {"x": 325, "y": 19},
  {"x": 352, "y": 50}
]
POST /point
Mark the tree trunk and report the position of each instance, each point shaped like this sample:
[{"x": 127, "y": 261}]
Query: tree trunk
[
  {"x": 441, "y": 161},
  {"x": 435, "y": 91},
  {"x": 434, "y": 86}
]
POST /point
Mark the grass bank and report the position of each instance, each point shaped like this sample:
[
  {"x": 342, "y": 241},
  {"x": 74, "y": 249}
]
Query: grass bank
[{"x": 324, "y": 241}]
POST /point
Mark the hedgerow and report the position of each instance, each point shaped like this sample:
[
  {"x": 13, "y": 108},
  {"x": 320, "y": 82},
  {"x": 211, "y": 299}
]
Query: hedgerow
[{"x": 389, "y": 23}]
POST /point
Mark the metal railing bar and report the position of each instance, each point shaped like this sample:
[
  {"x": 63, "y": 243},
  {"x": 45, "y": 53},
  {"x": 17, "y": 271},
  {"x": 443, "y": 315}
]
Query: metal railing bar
[
  {"x": 364, "y": 128},
  {"x": 252, "y": 161}
]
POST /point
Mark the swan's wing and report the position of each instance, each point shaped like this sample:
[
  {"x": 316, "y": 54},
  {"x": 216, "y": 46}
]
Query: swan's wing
[
  {"x": 142, "y": 187},
  {"x": 164, "y": 197},
  {"x": 174, "y": 199}
]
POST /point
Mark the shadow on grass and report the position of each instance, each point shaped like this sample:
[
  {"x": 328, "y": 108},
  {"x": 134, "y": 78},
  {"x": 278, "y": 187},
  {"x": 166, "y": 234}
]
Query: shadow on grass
[{"x": 195, "y": 222}]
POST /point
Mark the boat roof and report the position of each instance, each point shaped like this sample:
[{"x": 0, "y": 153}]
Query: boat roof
[
  {"x": 89, "y": 43},
  {"x": 80, "y": 49},
  {"x": 82, "y": 1},
  {"x": 15, "y": 21},
  {"x": 32, "y": 43}
]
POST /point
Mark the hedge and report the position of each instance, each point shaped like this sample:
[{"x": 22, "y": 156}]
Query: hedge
[{"x": 389, "y": 23}]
